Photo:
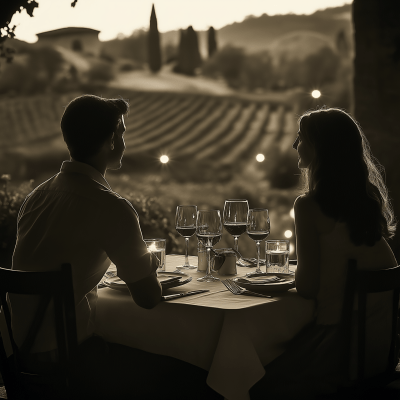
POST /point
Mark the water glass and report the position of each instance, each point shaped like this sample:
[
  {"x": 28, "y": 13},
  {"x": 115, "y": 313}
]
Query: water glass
[
  {"x": 157, "y": 247},
  {"x": 277, "y": 256}
]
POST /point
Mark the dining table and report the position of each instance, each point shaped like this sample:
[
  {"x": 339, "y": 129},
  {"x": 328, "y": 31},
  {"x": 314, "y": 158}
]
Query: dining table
[{"x": 231, "y": 336}]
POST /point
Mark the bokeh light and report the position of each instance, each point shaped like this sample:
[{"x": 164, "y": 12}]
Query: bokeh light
[
  {"x": 164, "y": 159},
  {"x": 260, "y": 157},
  {"x": 316, "y": 94},
  {"x": 288, "y": 233},
  {"x": 291, "y": 213}
]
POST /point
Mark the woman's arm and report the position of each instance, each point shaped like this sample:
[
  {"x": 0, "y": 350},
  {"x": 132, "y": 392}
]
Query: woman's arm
[{"x": 308, "y": 247}]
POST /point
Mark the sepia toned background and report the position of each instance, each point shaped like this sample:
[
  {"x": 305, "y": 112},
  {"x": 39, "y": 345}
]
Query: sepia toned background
[{"x": 221, "y": 103}]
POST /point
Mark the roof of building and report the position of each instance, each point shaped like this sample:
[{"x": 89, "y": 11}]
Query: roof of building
[{"x": 66, "y": 31}]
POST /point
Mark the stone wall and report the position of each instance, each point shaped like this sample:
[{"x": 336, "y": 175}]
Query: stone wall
[{"x": 377, "y": 88}]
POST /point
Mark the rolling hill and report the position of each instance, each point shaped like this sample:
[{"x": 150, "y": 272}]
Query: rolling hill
[{"x": 260, "y": 33}]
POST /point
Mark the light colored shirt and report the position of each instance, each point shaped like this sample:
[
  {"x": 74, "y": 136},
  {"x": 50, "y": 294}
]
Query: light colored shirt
[{"x": 75, "y": 218}]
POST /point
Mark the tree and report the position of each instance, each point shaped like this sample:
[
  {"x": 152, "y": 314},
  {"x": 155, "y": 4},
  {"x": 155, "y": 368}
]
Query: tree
[
  {"x": 189, "y": 55},
  {"x": 377, "y": 87},
  {"x": 211, "y": 41},
  {"x": 154, "y": 51}
]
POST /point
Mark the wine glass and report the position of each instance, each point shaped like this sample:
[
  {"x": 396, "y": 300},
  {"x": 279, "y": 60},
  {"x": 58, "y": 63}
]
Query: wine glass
[
  {"x": 258, "y": 228},
  {"x": 208, "y": 232},
  {"x": 185, "y": 224},
  {"x": 235, "y": 218}
]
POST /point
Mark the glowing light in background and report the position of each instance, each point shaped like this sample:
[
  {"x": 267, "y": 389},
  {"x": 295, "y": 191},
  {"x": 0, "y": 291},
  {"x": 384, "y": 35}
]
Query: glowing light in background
[
  {"x": 164, "y": 159},
  {"x": 288, "y": 234},
  {"x": 260, "y": 157},
  {"x": 316, "y": 94},
  {"x": 291, "y": 213}
]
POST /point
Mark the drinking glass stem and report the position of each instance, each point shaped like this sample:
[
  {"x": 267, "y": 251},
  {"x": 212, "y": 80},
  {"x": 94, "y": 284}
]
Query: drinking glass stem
[
  {"x": 186, "y": 251},
  {"x": 258, "y": 256},
  {"x": 208, "y": 272},
  {"x": 236, "y": 244}
]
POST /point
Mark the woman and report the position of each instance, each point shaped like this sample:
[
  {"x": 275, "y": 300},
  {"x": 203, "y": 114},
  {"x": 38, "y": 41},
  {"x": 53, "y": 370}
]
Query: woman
[{"x": 344, "y": 213}]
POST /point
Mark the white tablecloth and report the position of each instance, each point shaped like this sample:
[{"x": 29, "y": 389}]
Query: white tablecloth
[{"x": 232, "y": 337}]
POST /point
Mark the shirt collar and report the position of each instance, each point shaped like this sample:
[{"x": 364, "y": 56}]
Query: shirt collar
[{"x": 86, "y": 169}]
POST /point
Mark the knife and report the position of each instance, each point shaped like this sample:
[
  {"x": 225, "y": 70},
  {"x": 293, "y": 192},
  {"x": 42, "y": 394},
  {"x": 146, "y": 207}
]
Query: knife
[{"x": 175, "y": 296}]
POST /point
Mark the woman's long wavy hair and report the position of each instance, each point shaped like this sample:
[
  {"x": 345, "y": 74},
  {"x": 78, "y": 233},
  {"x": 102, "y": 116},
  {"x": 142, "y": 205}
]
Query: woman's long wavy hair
[{"x": 344, "y": 177}]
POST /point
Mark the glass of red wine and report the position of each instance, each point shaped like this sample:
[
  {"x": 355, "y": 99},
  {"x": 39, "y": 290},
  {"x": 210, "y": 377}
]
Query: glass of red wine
[
  {"x": 185, "y": 224},
  {"x": 235, "y": 218},
  {"x": 258, "y": 228},
  {"x": 208, "y": 232}
]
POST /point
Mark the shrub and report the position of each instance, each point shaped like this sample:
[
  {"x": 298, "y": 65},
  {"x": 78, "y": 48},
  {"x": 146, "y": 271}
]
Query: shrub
[
  {"x": 10, "y": 203},
  {"x": 155, "y": 220},
  {"x": 101, "y": 71}
]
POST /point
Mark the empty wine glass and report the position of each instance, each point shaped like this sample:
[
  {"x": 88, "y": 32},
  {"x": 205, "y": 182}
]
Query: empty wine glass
[
  {"x": 258, "y": 228},
  {"x": 208, "y": 232},
  {"x": 235, "y": 218},
  {"x": 185, "y": 224}
]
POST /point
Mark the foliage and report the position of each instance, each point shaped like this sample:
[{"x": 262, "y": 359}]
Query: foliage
[
  {"x": 228, "y": 63},
  {"x": 155, "y": 220},
  {"x": 189, "y": 58},
  {"x": 211, "y": 41},
  {"x": 257, "y": 71},
  {"x": 316, "y": 69},
  {"x": 10, "y": 203},
  {"x": 37, "y": 73},
  {"x": 100, "y": 71},
  {"x": 154, "y": 52}
]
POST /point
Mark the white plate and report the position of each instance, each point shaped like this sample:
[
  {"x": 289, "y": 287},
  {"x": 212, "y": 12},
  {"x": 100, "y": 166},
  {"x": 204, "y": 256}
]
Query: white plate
[
  {"x": 118, "y": 284},
  {"x": 282, "y": 286}
]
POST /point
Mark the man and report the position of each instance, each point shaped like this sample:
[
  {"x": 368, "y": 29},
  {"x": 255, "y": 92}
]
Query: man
[{"x": 75, "y": 217}]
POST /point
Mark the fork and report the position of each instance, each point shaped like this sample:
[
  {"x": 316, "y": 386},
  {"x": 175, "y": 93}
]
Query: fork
[{"x": 236, "y": 289}]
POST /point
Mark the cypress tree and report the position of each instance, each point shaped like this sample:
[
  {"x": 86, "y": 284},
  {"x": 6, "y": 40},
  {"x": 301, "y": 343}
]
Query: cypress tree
[
  {"x": 154, "y": 52},
  {"x": 212, "y": 43},
  {"x": 192, "y": 50},
  {"x": 182, "y": 54}
]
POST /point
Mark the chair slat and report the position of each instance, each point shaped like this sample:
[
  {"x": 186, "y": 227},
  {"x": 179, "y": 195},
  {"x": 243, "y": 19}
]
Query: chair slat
[
  {"x": 55, "y": 285},
  {"x": 359, "y": 284}
]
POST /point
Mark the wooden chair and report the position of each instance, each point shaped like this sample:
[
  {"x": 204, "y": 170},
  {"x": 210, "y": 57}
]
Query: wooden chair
[
  {"x": 56, "y": 285},
  {"x": 359, "y": 284}
]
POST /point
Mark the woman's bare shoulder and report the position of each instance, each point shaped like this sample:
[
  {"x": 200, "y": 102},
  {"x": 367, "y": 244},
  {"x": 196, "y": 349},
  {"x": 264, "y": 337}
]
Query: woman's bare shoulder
[
  {"x": 305, "y": 203},
  {"x": 307, "y": 207}
]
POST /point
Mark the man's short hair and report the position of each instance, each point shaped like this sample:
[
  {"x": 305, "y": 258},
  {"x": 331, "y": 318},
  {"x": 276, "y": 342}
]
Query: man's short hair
[{"x": 88, "y": 121}]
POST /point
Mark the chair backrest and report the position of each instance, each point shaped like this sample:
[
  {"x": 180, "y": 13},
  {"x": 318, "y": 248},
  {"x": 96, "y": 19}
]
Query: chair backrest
[
  {"x": 51, "y": 285},
  {"x": 359, "y": 283}
]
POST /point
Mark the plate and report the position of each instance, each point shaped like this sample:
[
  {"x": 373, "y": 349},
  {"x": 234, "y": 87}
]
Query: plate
[
  {"x": 167, "y": 279},
  {"x": 255, "y": 284}
]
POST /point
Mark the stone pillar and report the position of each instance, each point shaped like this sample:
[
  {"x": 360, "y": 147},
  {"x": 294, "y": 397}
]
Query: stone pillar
[{"x": 377, "y": 88}]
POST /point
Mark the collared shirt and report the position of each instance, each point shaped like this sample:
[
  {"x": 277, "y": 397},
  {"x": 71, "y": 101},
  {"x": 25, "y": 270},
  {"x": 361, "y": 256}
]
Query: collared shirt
[{"x": 75, "y": 218}]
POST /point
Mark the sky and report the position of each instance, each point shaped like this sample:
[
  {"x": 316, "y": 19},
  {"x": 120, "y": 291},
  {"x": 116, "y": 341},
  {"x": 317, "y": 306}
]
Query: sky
[{"x": 113, "y": 17}]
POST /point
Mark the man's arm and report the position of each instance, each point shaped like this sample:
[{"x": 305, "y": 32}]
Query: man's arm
[
  {"x": 121, "y": 238},
  {"x": 146, "y": 293}
]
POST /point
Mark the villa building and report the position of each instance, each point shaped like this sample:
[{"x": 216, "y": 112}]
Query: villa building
[{"x": 84, "y": 40}]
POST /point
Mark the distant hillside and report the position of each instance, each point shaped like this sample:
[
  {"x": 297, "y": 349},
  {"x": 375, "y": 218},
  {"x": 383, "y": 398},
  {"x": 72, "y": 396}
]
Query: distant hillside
[{"x": 260, "y": 33}]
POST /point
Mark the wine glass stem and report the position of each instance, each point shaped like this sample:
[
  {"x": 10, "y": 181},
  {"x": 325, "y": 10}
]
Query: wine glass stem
[
  {"x": 236, "y": 243},
  {"x": 208, "y": 272},
  {"x": 258, "y": 255},
  {"x": 186, "y": 250}
]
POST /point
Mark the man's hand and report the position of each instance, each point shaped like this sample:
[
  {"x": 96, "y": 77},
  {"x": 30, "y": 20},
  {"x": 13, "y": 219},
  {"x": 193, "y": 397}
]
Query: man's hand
[{"x": 146, "y": 293}]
